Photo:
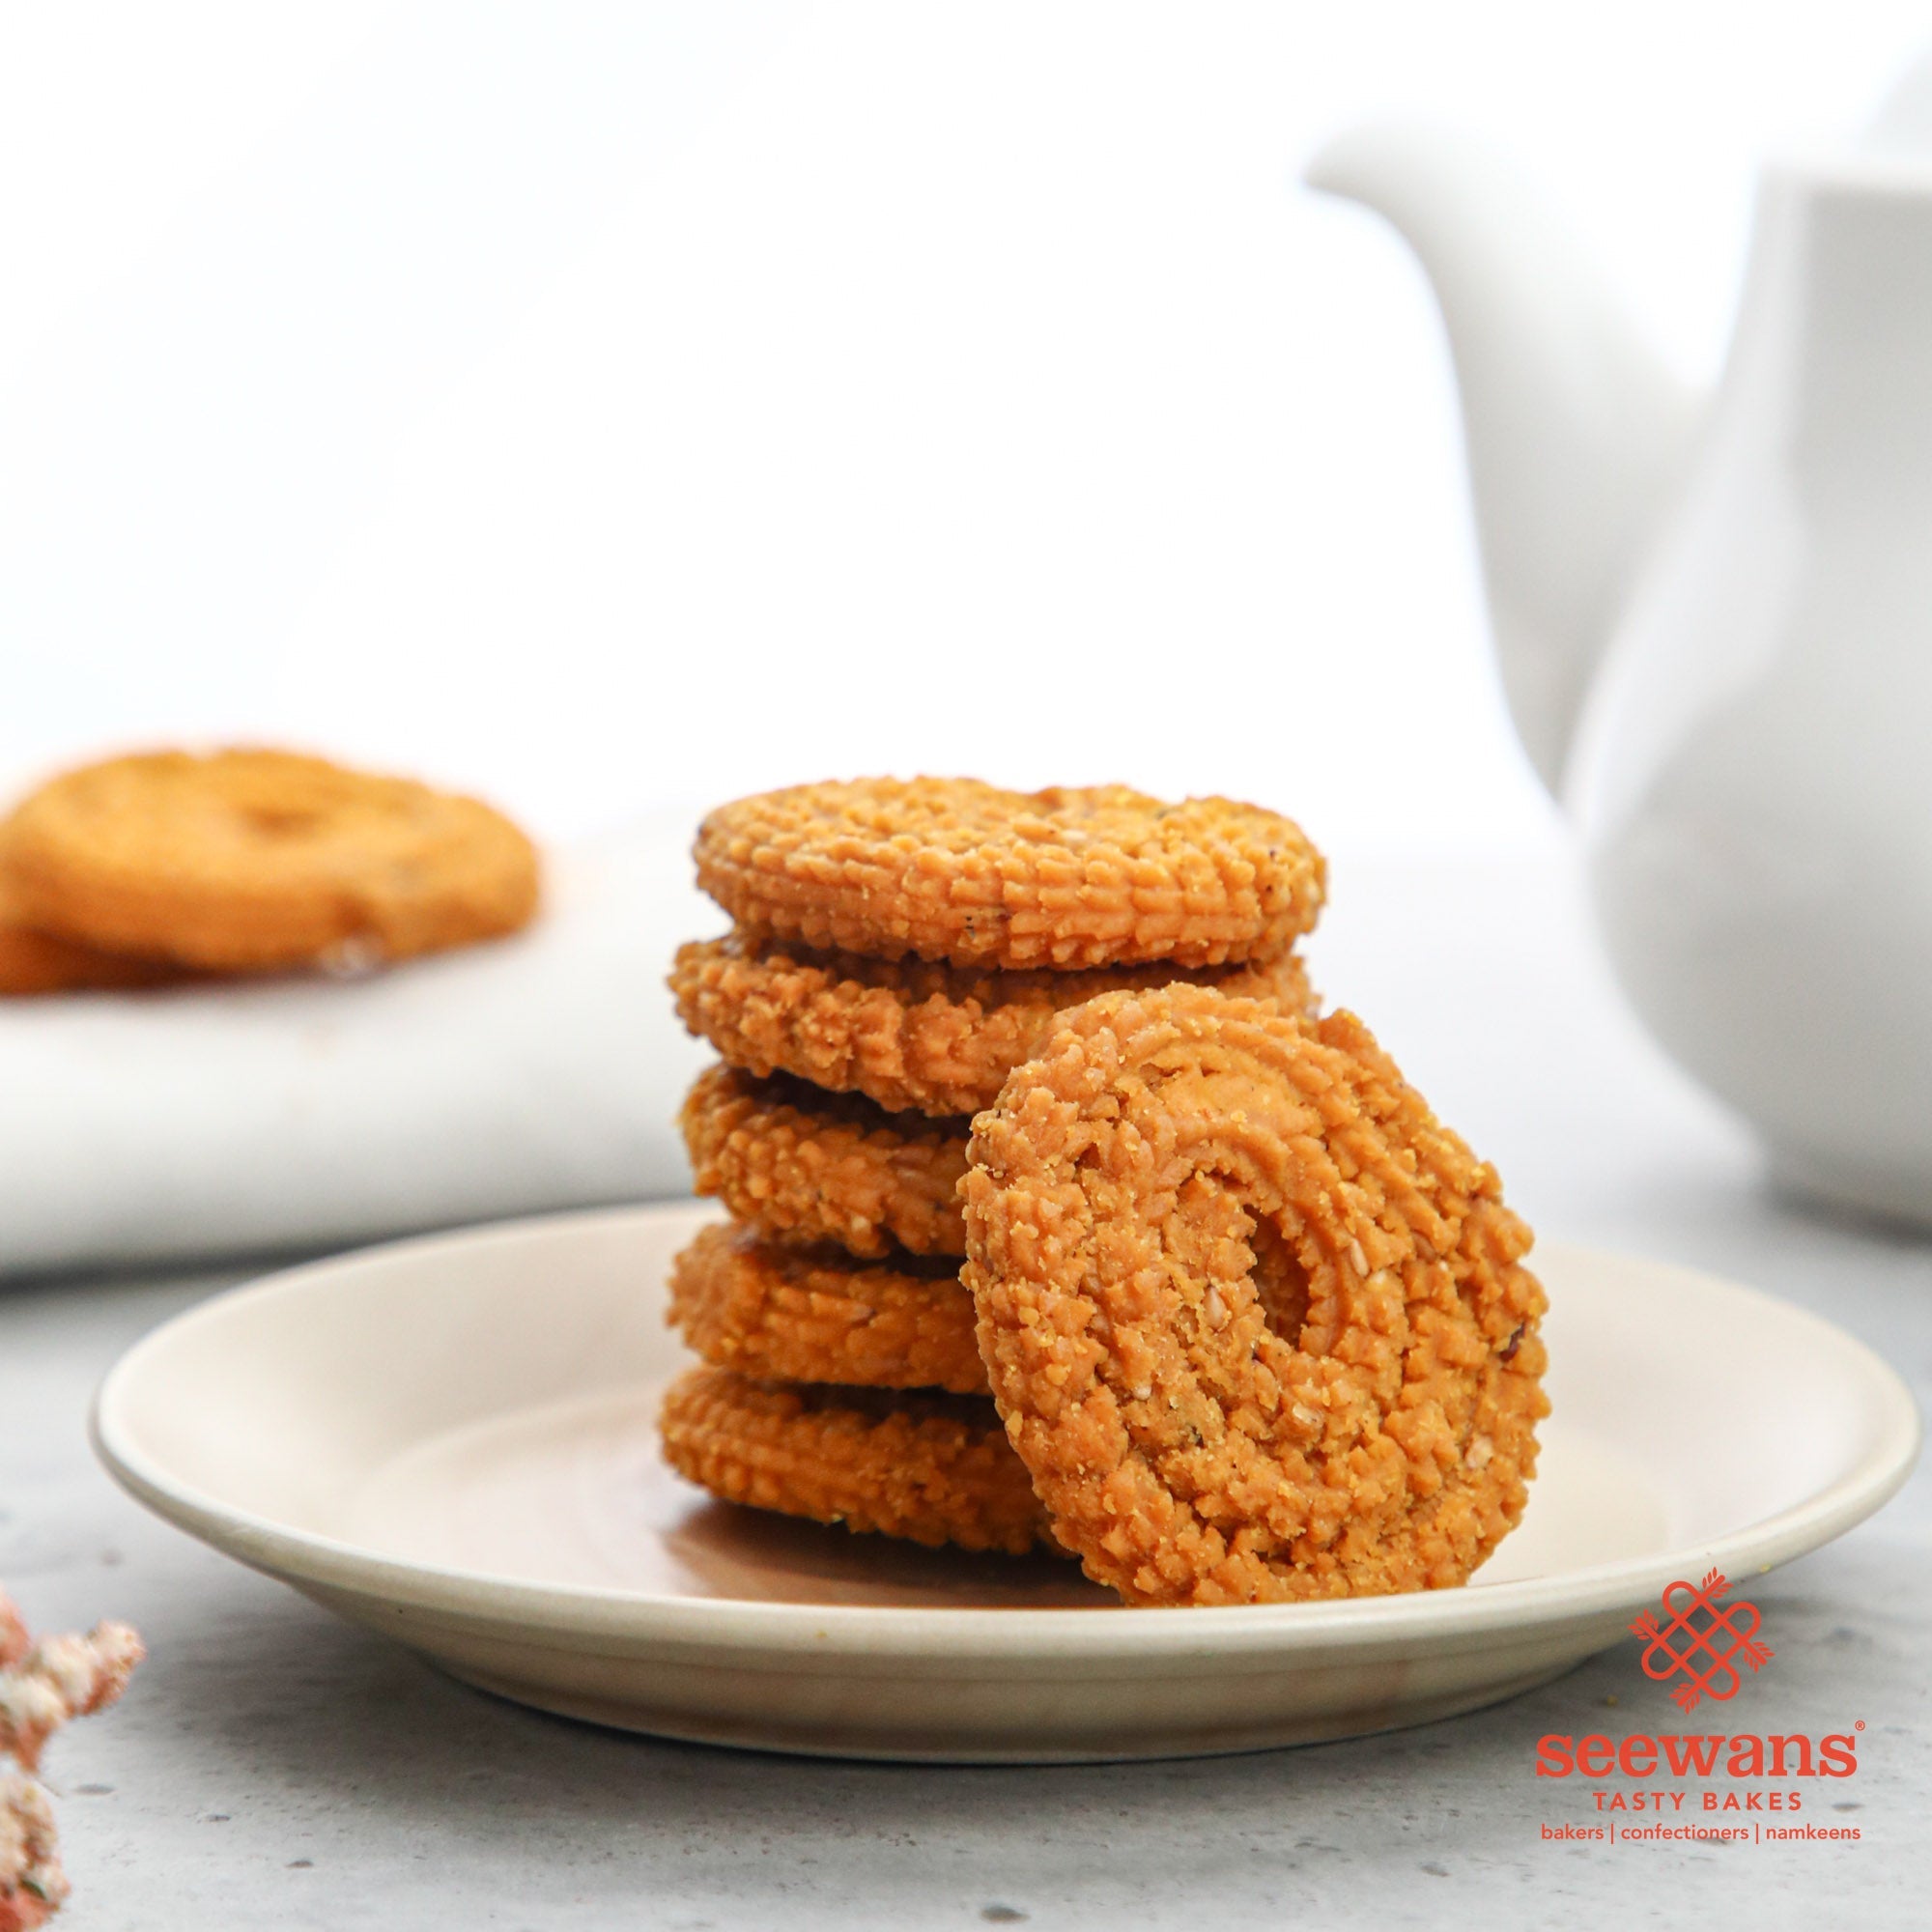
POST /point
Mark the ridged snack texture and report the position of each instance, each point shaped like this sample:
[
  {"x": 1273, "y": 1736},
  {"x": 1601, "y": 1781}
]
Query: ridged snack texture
[
  {"x": 803, "y": 1165},
  {"x": 1257, "y": 1322},
  {"x": 930, "y": 1468},
  {"x": 910, "y": 1034},
  {"x": 956, "y": 869},
  {"x": 814, "y": 1315}
]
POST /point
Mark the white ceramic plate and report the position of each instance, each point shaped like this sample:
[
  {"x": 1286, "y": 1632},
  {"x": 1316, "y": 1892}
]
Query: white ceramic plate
[{"x": 451, "y": 1440}]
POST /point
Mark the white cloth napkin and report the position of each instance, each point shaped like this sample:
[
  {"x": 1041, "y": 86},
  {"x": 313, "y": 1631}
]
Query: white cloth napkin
[{"x": 540, "y": 1071}]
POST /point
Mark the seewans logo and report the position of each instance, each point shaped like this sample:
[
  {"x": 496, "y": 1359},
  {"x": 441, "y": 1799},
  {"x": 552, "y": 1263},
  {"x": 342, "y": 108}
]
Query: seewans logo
[
  {"x": 1737, "y": 1624},
  {"x": 1702, "y": 1640},
  {"x": 1751, "y": 1754}
]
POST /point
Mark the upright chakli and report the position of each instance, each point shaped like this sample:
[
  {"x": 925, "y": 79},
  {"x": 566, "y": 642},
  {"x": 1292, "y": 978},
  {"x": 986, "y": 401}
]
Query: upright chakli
[
  {"x": 1256, "y": 1320},
  {"x": 1240, "y": 1320}
]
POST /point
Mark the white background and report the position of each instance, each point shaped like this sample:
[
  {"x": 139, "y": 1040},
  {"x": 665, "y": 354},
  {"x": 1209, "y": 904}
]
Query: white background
[{"x": 608, "y": 407}]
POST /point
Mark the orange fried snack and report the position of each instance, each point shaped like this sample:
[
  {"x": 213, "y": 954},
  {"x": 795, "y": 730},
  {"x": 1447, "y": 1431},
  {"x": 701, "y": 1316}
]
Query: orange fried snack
[
  {"x": 907, "y": 1033},
  {"x": 803, "y": 1316},
  {"x": 37, "y": 962},
  {"x": 930, "y": 1468},
  {"x": 804, "y": 1166},
  {"x": 1256, "y": 1320},
  {"x": 251, "y": 860},
  {"x": 952, "y": 869}
]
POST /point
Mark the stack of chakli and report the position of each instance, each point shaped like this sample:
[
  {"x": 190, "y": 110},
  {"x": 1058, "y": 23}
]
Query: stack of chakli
[{"x": 899, "y": 949}]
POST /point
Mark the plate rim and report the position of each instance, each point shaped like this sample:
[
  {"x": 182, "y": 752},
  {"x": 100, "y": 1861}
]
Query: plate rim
[{"x": 963, "y": 1632}]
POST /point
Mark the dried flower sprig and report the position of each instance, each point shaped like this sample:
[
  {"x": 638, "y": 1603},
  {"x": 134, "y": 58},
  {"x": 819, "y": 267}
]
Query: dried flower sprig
[
  {"x": 33, "y": 1887},
  {"x": 41, "y": 1686}
]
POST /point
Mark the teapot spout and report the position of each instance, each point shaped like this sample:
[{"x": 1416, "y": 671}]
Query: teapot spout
[{"x": 1576, "y": 430}]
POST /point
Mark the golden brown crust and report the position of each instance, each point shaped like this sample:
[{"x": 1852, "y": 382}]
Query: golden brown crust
[
  {"x": 952, "y": 869},
  {"x": 908, "y": 1034},
  {"x": 801, "y": 1314},
  {"x": 255, "y": 859},
  {"x": 804, "y": 1166},
  {"x": 1255, "y": 1318},
  {"x": 37, "y": 962},
  {"x": 930, "y": 1468}
]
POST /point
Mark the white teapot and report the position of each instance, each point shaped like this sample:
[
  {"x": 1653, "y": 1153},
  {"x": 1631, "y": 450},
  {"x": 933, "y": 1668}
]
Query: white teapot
[{"x": 1714, "y": 619}]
